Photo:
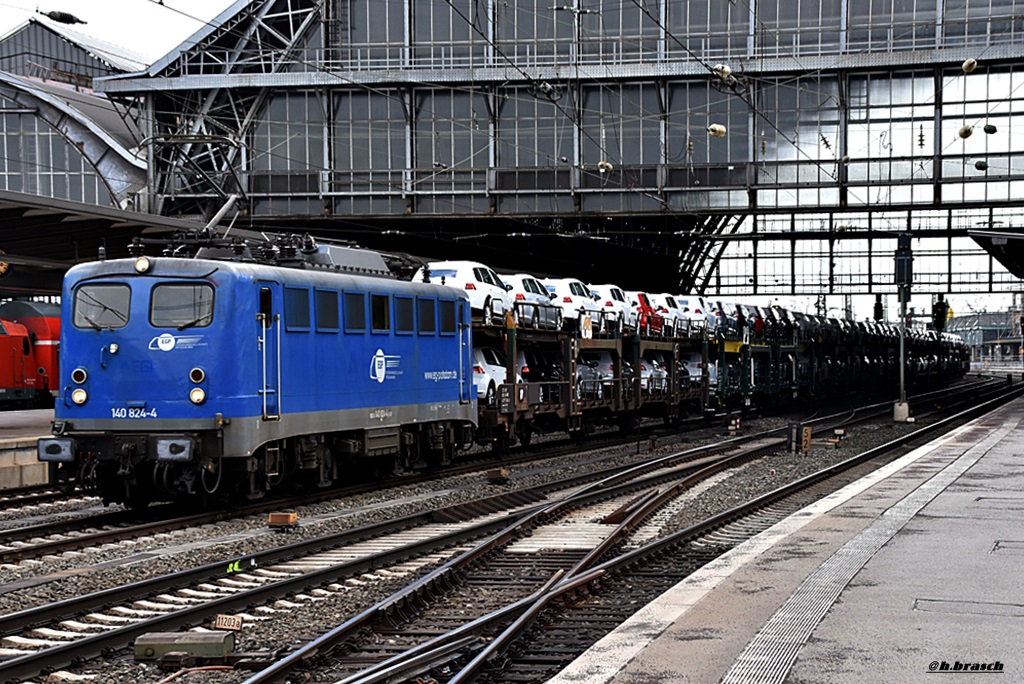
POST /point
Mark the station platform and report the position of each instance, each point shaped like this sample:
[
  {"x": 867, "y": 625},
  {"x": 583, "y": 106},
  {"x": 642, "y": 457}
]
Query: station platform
[
  {"x": 912, "y": 571},
  {"x": 19, "y": 462}
]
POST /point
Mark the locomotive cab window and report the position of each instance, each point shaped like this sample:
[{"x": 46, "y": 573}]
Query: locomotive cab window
[
  {"x": 296, "y": 308},
  {"x": 355, "y": 312},
  {"x": 428, "y": 316},
  {"x": 447, "y": 309},
  {"x": 102, "y": 306},
  {"x": 181, "y": 306},
  {"x": 380, "y": 313},
  {"x": 266, "y": 306},
  {"x": 326, "y": 310},
  {"x": 404, "y": 322}
]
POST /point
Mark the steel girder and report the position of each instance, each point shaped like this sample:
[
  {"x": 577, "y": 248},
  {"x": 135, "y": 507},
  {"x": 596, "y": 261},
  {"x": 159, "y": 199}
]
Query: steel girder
[
  {"x": 118, "y": 168},
  {"x": 199, "y": 135}
]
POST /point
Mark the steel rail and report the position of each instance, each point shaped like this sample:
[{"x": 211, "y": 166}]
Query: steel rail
[
  {"x": 29, "y": 665},
  {"x": 719, "y": 520},
  {"x": 613, "y": 485}
]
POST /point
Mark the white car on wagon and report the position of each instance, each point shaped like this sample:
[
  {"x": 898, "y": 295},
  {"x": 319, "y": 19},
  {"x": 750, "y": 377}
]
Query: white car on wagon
[
  {"x": 675, "y": 319},
  {"x": 532, "y": 302},
  {"x": 617, "y": 308},
  {"x": 698, "y": 310},
  {"x": 576, "y": 301},
  {"x": 488, "y": 296},
  {"x": 489, "y": 372}
]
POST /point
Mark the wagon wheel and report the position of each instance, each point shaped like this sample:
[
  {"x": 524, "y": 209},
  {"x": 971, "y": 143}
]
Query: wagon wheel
[{"x": 524, "y": 433}]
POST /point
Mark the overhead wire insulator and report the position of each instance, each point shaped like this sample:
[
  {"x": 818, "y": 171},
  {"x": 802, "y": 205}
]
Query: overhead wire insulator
[
  {"x": 62, "y": 17},
  {"x": 969, "y": 65},
  {"x": 717, "y": 130},
  {"x": 825, "y": 141},
  {"x": 604, "y": 166},
  {"x": 920, "y": 137},
  {"x": 966, "y": 132},
  {"x": 989, "y": 128},
  {"x": 981, "y": 165}
]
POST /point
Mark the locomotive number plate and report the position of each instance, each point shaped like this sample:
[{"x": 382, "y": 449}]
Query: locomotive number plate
[{"x": 133, "y": 413}]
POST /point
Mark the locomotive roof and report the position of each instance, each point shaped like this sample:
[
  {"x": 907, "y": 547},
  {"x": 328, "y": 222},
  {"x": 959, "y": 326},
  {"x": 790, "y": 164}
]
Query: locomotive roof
[{"x": 198, "y": 267}]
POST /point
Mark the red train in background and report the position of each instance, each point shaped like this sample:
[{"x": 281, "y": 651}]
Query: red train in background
[{"x": 29, "y": 347}]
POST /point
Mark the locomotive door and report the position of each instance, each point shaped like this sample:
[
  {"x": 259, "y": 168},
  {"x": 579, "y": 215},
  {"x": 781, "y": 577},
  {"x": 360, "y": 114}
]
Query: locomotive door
[
  {"x": 465, "y": 350},
  {"x": 268, "y": 343}
]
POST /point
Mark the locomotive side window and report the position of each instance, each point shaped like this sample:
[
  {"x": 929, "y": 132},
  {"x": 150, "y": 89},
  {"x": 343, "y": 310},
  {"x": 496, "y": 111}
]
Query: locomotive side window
[
  {"x": 355, "y": 312},
  {"x": 447, "y": 308},
  {"x": 326, "y": 310},
  {"x": 380, "y": 313},
  {"x": 102, "y": 306},
  {"x": 404, "y": 323},
  {"x": 296, "y": 308},
  {"x": 181, "y": 306},
  {"x": 428, "y": 317}
]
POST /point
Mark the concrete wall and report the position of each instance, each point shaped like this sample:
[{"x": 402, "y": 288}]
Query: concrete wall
[{"x": 19, "y": 465}]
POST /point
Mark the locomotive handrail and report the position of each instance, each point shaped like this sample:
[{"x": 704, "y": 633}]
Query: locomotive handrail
[
  {"x": 280, "y": 394},
  {"x": 261, "y": 339}
]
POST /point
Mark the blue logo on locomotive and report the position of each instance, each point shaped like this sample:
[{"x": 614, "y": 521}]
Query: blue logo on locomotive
[
  {"x": 384, "y": 366},
  {"x": 167, "y": 342}
]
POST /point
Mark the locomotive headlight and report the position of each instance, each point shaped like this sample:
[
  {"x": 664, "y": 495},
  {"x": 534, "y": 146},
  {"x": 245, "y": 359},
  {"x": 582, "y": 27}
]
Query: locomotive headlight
[
  {"x": 113, "y": 347},
  {"x": 79, "y": 375},
  {"x": 79, "y": 396},
  {"x": 142, "y": 264},
  {"x": 197, "y": 395}
]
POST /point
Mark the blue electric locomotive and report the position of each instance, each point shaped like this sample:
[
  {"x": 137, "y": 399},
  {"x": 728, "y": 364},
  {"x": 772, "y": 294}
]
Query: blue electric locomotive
[{"x": 220, "y": 375}]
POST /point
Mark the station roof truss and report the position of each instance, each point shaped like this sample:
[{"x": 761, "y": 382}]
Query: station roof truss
[
  {"x": 44, "y": 236},
  {"x": 1006, "y": 246},
  {"x": 698, "y": 222}
]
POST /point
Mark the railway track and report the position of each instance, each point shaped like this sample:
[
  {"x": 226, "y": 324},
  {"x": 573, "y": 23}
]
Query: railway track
[
  {"x": 74, "y": 533},
  {"x": 38, "y": 495},
  {"x": 46, "y": 636},
  {"x": 575, "y": 606},
  {"x": 64, "y": 534}
]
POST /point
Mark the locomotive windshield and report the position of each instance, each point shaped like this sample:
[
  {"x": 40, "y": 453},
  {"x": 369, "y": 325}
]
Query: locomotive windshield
[
  {"x": 181, "y": 306},
  {"x": 102, "y": 306}
]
